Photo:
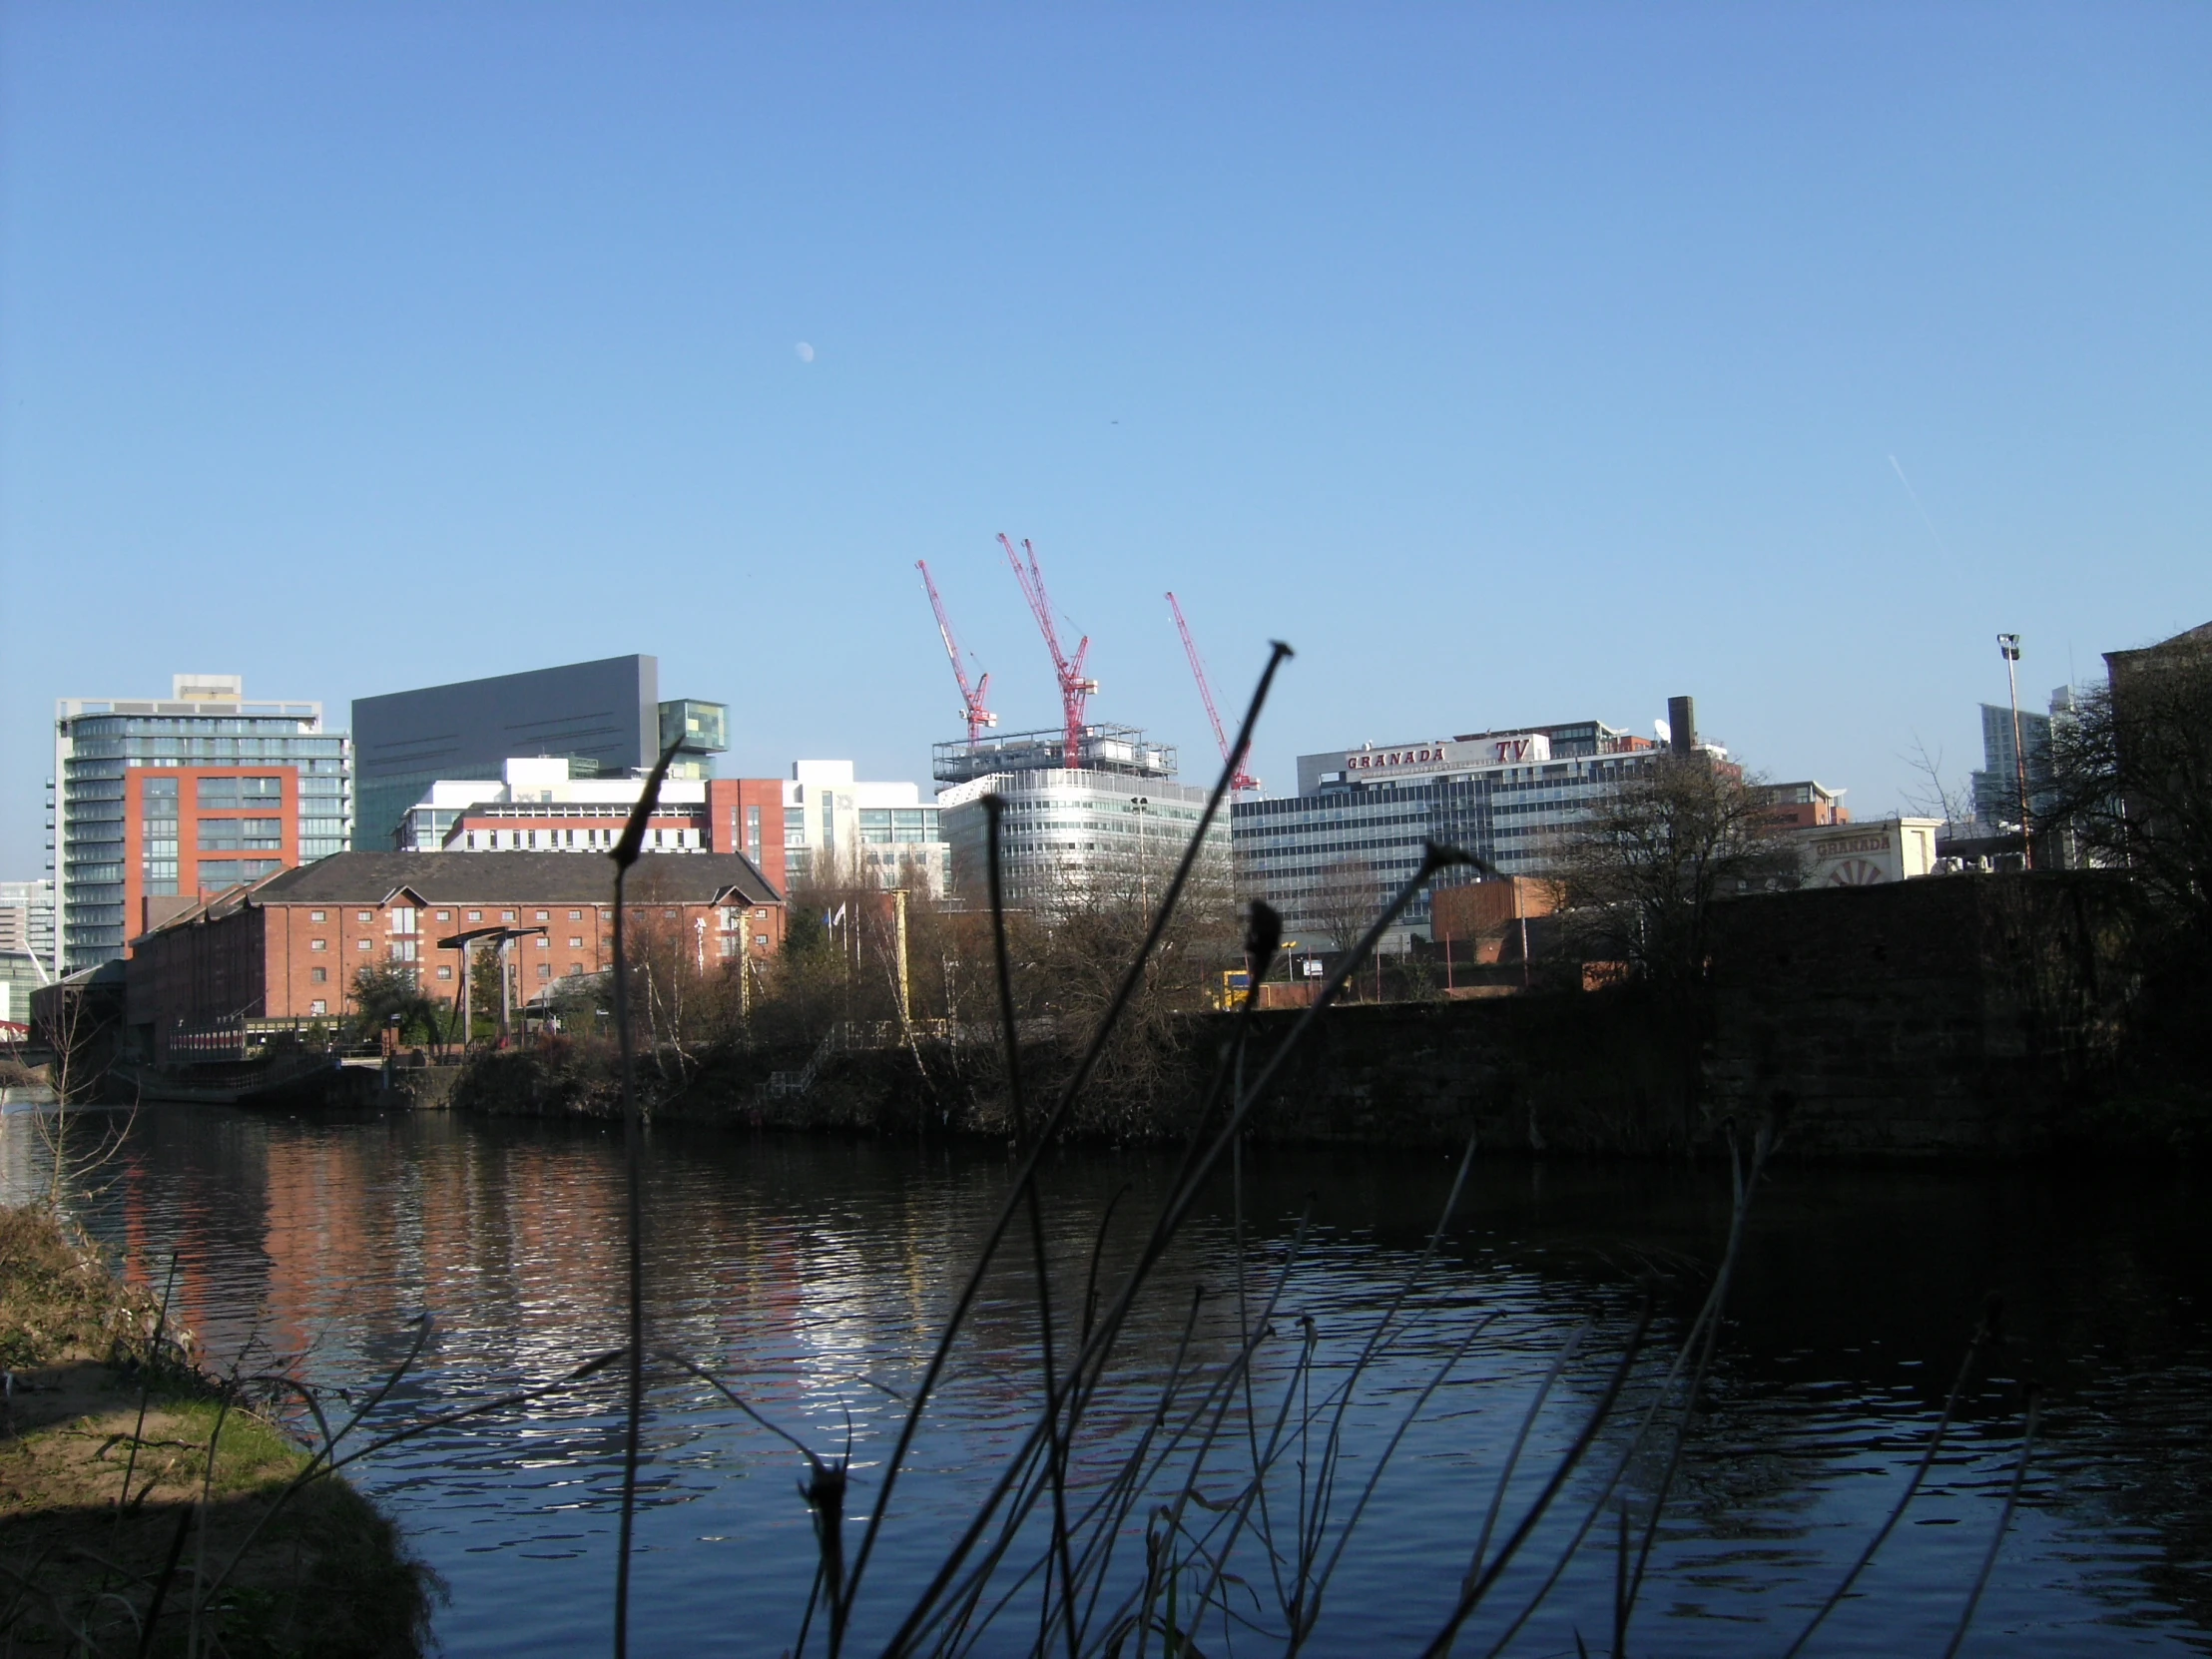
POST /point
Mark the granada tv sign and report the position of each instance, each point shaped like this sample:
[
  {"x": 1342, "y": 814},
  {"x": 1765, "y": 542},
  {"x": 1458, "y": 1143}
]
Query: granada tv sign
[{"x": 1521, "y": 749}]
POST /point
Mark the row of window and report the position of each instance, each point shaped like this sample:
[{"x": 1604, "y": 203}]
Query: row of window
[
  {"x": 877, "y": 824},
  {"x": 216, "y": 751},
  {"x": 216, "y": 792},
  {"x": 232, "y": 871},
  {"x": 236, "y": 834},
  {"x": 144, "y": 725},
  {"x": 403, "y": 948},
  {"x": 489, "y": 840}
]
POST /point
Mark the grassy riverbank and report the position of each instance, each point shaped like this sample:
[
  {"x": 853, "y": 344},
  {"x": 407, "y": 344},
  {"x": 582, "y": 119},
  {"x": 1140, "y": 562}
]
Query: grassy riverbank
[{"x": 205, "y": 1544}]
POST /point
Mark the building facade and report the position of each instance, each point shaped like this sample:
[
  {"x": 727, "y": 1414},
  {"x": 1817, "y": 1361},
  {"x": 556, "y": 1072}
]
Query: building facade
[
  {"x": 604, "y": 716},
  {"x": 1330, "y": 857},
  {"x": 536, "y": 806},
  {"x": 26, "y": 949},
  {"x": 27, "y": 921},
  {"x": 1995, "y": 789},
  {"x": 1805, "y": 806},
  {"x": 837, "y": 828},
  {"x": 291, "y": 948},
  {"x": 1863, "y": 854},
  {"x": 1119, "y": 823},
  {"x": 157, "y": 803}
]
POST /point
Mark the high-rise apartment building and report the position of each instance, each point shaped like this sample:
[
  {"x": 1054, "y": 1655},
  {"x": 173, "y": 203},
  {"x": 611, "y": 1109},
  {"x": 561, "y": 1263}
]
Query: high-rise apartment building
[
  {"x": 160, "y": 802},
  {"x": 1995, "y": 789}
]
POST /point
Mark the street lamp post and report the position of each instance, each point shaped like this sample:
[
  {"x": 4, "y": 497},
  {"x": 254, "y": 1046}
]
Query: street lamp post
[
  {"x": 2010, "y": 645},
  {"x": 1141, "y": 805}
]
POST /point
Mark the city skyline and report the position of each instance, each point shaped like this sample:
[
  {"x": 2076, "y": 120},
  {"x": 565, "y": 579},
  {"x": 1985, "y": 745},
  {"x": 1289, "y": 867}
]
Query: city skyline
[{"x": 1502, "y": 364}]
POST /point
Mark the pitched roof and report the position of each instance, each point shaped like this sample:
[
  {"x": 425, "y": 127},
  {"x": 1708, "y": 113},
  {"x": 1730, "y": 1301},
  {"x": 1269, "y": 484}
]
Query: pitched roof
[{"x": 517, "y": 878}]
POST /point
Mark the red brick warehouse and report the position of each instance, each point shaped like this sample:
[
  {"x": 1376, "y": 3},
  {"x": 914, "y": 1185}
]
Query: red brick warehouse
[{"x": 291, "y": 946}]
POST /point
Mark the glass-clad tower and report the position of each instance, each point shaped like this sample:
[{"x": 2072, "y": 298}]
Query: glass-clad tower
[{"x": 159, "y": 804}]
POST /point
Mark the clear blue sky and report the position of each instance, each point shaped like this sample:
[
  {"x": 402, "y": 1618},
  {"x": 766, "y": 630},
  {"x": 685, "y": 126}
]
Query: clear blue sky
[{"x": 1516, "y": 364}]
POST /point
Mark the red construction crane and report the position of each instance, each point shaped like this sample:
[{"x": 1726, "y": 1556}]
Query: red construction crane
[
  {"x": 971, "y": 697},
  {"x": 1075, "y": 691},
  {"x": 1242, "y": 779}
]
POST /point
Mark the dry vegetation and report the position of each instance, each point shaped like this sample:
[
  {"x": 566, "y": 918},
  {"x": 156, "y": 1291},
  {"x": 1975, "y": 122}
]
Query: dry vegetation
[{"x": 104, "y": 1398}]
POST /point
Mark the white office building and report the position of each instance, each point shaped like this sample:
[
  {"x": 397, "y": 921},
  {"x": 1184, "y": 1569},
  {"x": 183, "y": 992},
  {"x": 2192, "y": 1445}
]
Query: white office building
[
  {"x": 26, "y": 945},
  {"x": 837, "y": 828},
  {"x": 535, "y": 805},
  {"x": 1117, "y": 821}
]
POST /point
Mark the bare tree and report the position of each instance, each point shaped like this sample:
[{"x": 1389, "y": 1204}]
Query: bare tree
[
  {"x": 1638, "y": 880},
  {"x": 2133, "y": 779},
  {"x": 79, "y": 1071},
  {"x": 1080, "y": 941},
  {"x": 1936, "y": 796},
  {"x": 1344, "y": 901}
]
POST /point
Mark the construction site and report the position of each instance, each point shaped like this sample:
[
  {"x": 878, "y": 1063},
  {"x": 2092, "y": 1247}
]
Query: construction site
[{"x": 1086, "y": 802}]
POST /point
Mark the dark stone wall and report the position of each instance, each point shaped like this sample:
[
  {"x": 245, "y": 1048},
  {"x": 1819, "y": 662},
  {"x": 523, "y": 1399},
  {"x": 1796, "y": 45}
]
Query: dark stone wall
[
  {"x": 1566, "y": 1071},
  {"x": 1947, "y": 1015},
  {"x": 1966, "y": 1016},
  {"x": 1960, "y": 1016}
]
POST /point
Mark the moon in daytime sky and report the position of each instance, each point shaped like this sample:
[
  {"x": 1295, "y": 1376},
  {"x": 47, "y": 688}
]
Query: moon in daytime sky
[{"x": 806, "y": 351}]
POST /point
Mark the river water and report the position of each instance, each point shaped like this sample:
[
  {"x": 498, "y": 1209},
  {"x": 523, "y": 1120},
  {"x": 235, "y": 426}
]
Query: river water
[{"x": 812, "y": 1275}]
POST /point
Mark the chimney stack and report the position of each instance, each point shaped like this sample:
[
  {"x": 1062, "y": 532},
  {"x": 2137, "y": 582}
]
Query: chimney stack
[{"x": 1682, "y": 725}]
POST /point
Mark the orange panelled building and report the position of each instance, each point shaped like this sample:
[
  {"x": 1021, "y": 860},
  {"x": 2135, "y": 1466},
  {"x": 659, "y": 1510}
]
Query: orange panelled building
[{"x": 290, "y": 947}]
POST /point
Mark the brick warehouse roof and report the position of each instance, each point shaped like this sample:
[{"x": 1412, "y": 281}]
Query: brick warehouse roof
[{"x": 517, "y": 878}]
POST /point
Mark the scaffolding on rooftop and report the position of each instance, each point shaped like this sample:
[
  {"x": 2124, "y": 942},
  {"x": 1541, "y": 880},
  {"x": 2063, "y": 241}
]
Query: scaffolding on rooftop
[{"x": 1122, "y": 750}]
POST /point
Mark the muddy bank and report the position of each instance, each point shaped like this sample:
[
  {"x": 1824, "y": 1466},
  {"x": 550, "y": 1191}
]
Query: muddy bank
[{"x": 136, "y": 1489}]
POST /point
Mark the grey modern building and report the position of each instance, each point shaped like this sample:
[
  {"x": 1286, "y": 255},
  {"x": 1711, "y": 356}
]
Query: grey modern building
[
  {"x": 1996, "y": 787},
  {"x": 1329, "y": 857},
  {"x": 601, "y": 716}
]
